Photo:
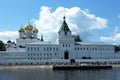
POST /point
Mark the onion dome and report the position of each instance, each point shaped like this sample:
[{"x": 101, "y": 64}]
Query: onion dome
[
  {"x": 35, "y": 30},
  {"x": 28, "y": 27},
  {"x": 21, "y": 30},
  {"x": 9, "y": 41}
]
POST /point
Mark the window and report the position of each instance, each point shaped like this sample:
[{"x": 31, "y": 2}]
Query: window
[
  {"x": 37, "y": 54},
  {"x": 44, "y": 54},
  {"x": 54, "y": 48},
  {"x": 84, "y": 48},
  {"x": 44, "y": 48},
  {"x": 57, "y": 48},
  {"x": 28, "y": 48},
  {"x": 47, "y": 48},
  {"x": 75, "y": 48},
  {"x": 87, "y": 48},
  {"x": 96, "y": 49},
  {"x": 55, "y": 54},
  {"x": 40, "y": 53},
  {"x": 38, "y": 48},
  {"x": 31, "y": 48},
  {"x": 81, "y": 48},
  {"x": 69, "y": 45},
  {"x": 34, "y": 54},
  {"x": 50, "y": 48},
  {"x": 65, "y": 33},
  {"x": 63, "y": 45},
  {"x": 35, "y": 48}
]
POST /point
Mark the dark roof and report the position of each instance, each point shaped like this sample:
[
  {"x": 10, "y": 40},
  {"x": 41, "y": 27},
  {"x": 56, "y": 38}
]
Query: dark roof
[
  {"x": 9, "y": 41},
  {"x": 64, "y": 26}
]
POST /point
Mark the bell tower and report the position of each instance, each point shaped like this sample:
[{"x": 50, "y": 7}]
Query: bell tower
[
  {"x": 64, "y": 33},
  {"x": 66, "y": 41}
]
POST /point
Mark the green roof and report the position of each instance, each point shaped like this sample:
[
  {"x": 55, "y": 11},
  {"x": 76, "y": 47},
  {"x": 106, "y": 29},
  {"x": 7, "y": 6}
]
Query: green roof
[{"x": 64, "y": 26}]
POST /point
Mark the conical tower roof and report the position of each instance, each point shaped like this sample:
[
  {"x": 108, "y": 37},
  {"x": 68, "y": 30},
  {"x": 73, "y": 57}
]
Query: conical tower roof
[{"x": 64, "y": 26}]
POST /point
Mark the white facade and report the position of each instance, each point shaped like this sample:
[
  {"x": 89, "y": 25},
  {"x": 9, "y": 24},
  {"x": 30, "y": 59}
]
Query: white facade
[{"x": 31, "y": 50}]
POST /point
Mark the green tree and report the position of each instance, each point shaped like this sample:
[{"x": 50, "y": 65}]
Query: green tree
[
  {"x": 77, "y": 38},
  {"x": 2, "y": 46},
  {"x": 117, "y": 48}
]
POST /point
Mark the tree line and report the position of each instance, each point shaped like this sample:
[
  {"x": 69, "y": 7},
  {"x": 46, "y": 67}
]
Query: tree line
[{"x": 2, "y": 46}]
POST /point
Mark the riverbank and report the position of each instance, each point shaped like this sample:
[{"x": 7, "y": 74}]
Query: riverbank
[
  {"x": 116, "y": 66},
  {"x": 27, "y": 67},
  {"x": 41, "y": 66}
]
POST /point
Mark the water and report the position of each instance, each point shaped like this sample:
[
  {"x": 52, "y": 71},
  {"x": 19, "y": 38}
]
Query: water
[{"x": 47, "y": 74}]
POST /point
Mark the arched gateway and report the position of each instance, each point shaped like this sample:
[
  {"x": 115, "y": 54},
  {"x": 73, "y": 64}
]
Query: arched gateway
[{"x": 66, "y": 55}]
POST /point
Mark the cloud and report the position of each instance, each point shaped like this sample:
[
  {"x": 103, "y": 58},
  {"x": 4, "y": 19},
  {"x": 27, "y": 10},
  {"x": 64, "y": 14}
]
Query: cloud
[
  {"x": 119, "y": 16},
  {"x": 114, "y": 37},
  {"x": 79, "y": 21},
  {"x": 6, "y": 35}
]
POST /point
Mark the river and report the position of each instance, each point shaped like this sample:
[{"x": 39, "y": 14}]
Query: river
[{"x": 48, "y": 74}]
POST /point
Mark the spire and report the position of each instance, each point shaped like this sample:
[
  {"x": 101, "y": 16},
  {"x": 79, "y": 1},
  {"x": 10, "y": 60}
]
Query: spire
[
  {"x": 28, "y": 26},
  {"x": 42, "y": 38},
  {"x": 64, "y": 26},
  {"x": 28, "y": 21},
  {"x": 64, "y": 18}
]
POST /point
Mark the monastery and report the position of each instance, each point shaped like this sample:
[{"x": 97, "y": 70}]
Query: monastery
[{"x": 31, "y": 50}]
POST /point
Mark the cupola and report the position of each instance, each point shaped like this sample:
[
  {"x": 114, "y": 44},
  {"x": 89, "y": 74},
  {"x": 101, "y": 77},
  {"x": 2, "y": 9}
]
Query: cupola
[
  {"x": 35, "y": 30},
  {"x": 28, "y": 27},
  {"x": 21, "y": 30}
]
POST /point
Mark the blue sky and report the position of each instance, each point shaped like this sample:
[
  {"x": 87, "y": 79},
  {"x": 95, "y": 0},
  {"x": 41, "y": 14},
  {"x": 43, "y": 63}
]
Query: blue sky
[{"x": 14, "y": 13}]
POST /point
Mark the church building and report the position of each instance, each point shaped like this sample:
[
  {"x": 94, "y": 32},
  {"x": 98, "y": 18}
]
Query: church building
[{"x": 29, "y": 49}]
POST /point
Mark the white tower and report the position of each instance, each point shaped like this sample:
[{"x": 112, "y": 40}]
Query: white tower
[
  {"x": 21, "y": 33},
  {"x": 66, "y": 41}
]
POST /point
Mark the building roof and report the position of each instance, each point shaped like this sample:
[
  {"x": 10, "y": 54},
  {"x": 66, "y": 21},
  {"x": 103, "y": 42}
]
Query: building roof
[
  {"x": 64, "y": 26},
  {"x": 42, "y": 43},
  {"x": 9, "y": 41},
  {"x": 91, "y": 43}
]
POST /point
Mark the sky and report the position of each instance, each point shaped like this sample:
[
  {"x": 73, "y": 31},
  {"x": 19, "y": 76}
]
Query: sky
[{"x": 93, "y": 20}]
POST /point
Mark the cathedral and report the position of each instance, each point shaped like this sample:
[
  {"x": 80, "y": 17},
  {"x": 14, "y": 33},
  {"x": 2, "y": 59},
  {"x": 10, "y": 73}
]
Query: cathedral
[{"x": 29, "y": 49}]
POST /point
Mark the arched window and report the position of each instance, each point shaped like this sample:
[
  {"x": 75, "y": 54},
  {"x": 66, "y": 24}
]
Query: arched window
[{"x": 65, "y": 33}]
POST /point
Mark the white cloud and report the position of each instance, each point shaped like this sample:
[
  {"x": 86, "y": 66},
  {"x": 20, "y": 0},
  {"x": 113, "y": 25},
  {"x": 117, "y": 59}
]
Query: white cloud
[
  {"x": 114, "y": 37},
  {"x": 79, "y": 21},
  {"x": 6, "y": 35},
  {"x": 119, "y": 16}
]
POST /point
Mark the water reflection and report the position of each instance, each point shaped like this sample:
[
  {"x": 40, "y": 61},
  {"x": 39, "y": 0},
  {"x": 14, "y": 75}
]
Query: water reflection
[{"x": 47, "y": 74}]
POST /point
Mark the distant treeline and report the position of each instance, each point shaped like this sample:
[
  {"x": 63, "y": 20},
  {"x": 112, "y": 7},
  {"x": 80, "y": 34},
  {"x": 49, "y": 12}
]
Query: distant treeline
[
  {"x": 2, "y": 46},
  {"x": 117, "y": 48}
]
